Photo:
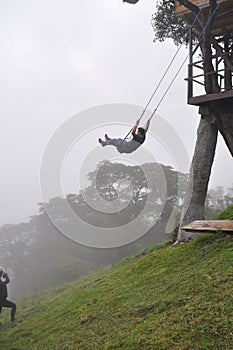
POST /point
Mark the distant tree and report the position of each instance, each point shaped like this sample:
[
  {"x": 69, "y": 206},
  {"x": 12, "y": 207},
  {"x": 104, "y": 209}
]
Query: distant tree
[
  {"x": 217, "y": 200},
  {"x": 228, "y": 197},
  {"x": 15, "y": 245},
  {"x": 133, "y": 184}
]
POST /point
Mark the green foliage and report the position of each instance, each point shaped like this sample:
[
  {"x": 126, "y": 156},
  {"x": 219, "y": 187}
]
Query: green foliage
[
  {"x": 165, "y": 298},
  {"x": 166, "y": 24},
  {"x": 227, "y": 214}
]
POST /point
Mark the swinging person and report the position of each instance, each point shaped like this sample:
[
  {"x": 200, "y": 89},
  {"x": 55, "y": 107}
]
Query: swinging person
[{"x": 123, "y": 146}]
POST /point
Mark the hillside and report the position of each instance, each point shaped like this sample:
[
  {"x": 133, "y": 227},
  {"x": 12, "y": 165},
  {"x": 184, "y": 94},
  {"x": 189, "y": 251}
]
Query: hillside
[{"x": 166, "y": 297}]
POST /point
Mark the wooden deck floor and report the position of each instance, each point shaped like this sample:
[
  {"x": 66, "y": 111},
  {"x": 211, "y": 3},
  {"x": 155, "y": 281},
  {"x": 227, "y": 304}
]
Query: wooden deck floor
[{"x": 199, "y": 100}]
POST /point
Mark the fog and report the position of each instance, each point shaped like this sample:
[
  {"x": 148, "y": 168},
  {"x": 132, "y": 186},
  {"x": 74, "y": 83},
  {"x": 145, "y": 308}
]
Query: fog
[
  {"x": 128, "y": 212},
  {"x": 60, "y": 58}
]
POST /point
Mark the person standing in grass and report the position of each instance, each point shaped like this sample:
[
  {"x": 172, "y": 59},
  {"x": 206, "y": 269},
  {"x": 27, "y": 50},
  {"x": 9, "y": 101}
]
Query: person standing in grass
[{"x": 4, "y": 302}]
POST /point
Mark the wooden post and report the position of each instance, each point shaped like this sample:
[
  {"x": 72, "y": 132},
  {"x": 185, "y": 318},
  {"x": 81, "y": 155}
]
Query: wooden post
[
  {"x": 227, "y": 75},
  {"x": 190, "y": 66}
]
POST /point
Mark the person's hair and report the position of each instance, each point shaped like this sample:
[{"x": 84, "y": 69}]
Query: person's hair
[{"x": 142, "y": 131}]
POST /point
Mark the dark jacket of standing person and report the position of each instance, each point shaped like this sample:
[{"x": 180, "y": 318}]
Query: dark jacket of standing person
[
  {"x": 3, "y": 285},
  {"x": 4, "y": 302}
]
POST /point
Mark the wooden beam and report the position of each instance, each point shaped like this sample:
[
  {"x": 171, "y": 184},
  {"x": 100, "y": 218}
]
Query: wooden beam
[
  {"x": 210, "y": 226},
  {"x": 220, "y": 53},
  {"x": 181, "y": 9},
  {"x": 199, "y": 100}
]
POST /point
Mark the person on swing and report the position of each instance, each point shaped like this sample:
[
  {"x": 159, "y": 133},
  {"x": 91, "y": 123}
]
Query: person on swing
[{"x": 123, "y": 146}]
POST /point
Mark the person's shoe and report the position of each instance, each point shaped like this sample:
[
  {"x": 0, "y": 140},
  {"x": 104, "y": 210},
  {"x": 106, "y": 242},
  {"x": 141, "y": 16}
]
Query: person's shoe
[
  {"x": 14, "y": 322},
  {"x": 106, "y": 137},
  {"x": 101, "y": 142}
]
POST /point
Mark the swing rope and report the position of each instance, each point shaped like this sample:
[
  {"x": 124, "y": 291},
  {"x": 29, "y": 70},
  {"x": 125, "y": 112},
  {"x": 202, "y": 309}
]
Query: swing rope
[{"x": 171, "y": 62}]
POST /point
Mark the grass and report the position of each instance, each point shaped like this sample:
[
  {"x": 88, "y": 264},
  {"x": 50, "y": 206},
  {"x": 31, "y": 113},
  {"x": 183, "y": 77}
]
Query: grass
[
  {"x": 166, "y": 297},
  {"x": 227, "y": 214}
]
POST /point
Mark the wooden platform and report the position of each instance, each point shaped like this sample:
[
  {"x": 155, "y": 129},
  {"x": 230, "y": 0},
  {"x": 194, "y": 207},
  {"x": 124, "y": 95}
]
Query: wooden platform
[
  {"x": 223, "y": 18},
  {"x": 182, "y": 10},
  {"x": 210, "y": 226},
  {"x": 199, "y": 100}
]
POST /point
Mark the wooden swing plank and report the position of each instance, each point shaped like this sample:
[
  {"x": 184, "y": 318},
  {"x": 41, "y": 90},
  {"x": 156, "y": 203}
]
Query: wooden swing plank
[{"x": 210, "y": 226}]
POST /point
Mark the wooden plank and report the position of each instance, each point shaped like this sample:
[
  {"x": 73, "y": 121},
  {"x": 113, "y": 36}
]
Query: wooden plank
[
  {"x": 210, "y": 226},
  {"x": 198, "y": 100},
  {"x": 182, "y": 10}
]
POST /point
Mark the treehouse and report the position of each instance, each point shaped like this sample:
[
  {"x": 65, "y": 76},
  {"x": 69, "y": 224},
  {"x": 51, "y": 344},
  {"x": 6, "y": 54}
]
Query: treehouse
[
  {"x": 223, "y": 20},
  {"x": 221, "y": 38}
]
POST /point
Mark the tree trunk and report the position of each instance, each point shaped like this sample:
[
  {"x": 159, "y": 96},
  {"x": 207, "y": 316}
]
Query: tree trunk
[
  {"x": 224, "y": 121},
  {"x": 200, "y": 171}
]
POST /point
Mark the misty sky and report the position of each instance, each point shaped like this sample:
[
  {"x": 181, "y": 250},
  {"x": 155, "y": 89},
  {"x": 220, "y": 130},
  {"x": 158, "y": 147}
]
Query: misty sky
[{"x": 59, "y": 58}]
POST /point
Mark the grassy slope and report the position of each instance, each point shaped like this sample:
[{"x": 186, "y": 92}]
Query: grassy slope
[{"x": 177, "y": 297}]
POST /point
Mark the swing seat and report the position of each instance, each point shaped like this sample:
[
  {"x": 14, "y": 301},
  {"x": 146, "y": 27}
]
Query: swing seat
[
  {"x": 131, "y": 1},
  {"x": 210, "y": 226}
]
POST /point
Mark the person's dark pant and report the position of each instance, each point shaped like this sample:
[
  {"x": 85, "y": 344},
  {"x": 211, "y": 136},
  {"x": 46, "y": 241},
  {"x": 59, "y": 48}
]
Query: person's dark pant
[{"x": 8, "y": 303}]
